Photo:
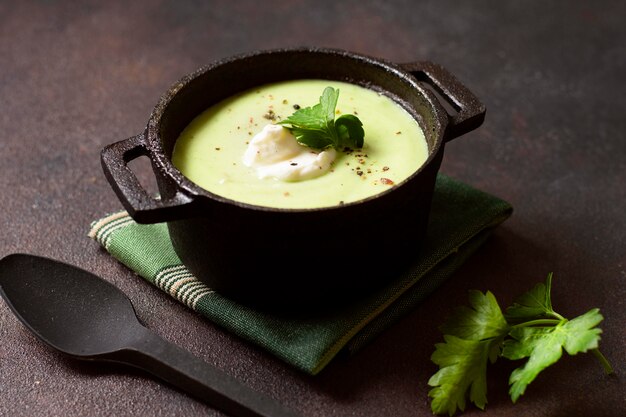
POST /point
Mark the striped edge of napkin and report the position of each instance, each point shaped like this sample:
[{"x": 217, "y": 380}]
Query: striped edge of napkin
[{"x": 174, "y": 278}]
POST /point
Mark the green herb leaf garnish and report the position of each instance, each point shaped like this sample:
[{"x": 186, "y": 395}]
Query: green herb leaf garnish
[
  {"x": 530, "y": 328},
  {"x": 473, "y": 337},
  {"x": 316, "y": 126}
]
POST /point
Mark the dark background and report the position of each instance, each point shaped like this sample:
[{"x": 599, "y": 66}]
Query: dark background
[{"x": 76, "y": 76}]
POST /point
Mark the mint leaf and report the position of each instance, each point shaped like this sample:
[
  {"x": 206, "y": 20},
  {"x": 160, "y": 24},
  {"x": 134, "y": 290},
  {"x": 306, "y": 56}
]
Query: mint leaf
[{"x": 317, "y": 128}]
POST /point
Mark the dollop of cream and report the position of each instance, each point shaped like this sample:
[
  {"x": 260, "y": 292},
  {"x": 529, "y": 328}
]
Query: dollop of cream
[{"x": 275, "y": 152}]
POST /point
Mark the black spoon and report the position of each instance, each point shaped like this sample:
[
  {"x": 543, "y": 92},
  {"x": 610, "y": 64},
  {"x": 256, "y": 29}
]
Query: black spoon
[{"x": 86, "y": 317}]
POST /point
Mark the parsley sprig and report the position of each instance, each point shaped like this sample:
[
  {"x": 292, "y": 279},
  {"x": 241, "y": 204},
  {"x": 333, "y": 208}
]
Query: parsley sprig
[
  {"x": 530, "y": 328},
  {"x": 316, "y": 126}
]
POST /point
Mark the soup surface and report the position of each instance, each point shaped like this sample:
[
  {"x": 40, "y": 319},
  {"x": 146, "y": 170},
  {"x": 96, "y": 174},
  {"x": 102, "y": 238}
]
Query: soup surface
[{"x": 210, "y": 150}]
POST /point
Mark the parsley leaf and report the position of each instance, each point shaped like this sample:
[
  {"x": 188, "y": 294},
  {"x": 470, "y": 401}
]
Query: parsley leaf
[
  {"x": 534, "y": 304},
  {"x": 463, "y": 367},
  {"x": 529, "y": 329},
  {"x": 316, "y": 126},
  {"x": 484, "y": 320},
  {"x": 474, "y": 336},
  {"x": 543, "y": 346},
  {"x": 350, "y": 131}
]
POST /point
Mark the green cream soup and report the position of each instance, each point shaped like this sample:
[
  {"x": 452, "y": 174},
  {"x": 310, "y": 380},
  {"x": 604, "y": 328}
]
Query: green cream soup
[{"x": 210, "y": 150}]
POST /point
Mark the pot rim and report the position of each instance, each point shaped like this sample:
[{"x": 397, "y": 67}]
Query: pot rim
[{"x": 166, "y": 168}]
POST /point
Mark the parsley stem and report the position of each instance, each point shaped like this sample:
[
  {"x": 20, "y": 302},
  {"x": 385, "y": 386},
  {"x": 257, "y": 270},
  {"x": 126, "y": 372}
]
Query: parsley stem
[
  {"x": 608, "y": 369},
  {"x": 539, "y": 322},
  {"x": 557, "y": 315}
]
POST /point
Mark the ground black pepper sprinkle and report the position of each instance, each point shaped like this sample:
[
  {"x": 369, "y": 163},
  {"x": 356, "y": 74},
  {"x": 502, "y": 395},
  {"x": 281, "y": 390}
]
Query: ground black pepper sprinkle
[
  {"x": 296, "y": 106},
  {"x": 270, "y": 115},
  {"x": 293, "y": 164}
]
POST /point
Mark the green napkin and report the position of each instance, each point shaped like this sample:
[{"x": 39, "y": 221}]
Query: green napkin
[{"x": 461, "y": 219}]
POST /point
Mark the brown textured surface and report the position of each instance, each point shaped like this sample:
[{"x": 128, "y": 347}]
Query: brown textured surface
[{"x": 75, "y": 77}]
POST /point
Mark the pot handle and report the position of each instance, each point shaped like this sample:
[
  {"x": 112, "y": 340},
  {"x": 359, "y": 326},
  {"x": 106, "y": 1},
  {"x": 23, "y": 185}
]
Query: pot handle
[
  {"x": 141, "y": 206},
  {"x": 470, "y": 112}
]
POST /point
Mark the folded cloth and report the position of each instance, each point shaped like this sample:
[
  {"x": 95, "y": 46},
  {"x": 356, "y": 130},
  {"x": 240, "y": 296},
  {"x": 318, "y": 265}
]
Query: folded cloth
[{"x": 461, "y": 219}]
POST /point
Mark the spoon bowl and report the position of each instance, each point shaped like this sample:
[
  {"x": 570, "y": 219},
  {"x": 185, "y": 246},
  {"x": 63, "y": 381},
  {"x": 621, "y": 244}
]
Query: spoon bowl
[
  {"x": 68, "y": 308},
  {"x": 86, "y": 317}
]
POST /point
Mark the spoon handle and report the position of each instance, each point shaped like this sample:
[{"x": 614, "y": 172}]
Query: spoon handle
[{"x": 196, "y": 377}]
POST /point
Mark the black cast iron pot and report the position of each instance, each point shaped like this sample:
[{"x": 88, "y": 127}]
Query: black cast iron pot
[{"x": 286, "y": 257}]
